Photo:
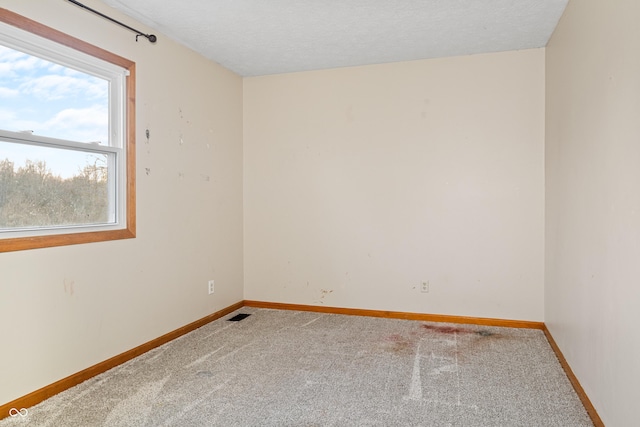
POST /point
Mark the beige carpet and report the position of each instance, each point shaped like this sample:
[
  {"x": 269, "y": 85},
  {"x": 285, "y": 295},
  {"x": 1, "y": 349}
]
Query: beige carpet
[{"x": 289, "y": 368}]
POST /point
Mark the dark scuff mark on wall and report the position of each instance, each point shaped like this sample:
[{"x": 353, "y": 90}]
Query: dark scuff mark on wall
[
  {"x": 147, "y": 141},
  {"x": 323, "y": 294},
  {"x": 68, "y": 286}
]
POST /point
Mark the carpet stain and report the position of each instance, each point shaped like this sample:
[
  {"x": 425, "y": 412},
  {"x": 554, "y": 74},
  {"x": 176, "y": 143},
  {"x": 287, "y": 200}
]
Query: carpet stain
[
  {"x": 400, "y": 344},
  {"x": 457, "y": 330}
]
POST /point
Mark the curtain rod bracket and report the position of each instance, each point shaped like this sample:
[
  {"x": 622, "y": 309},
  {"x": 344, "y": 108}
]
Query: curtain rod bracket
[
  {"x": 152, "y": 38},
  {"x": 149, "y": 37}
]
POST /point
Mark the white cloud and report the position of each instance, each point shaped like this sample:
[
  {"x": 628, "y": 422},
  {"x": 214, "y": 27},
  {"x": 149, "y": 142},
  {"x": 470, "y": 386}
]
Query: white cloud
[
  {"x": 55, "y": 68},
  {"x": 54, "y": 87},
  {"x": 6, "y": 92},
  {"x": 10, "y": 121},
  {"x": 28, "y": 63},
  {"x": 92, "y": 116},
  {"x": 12, "y": 62},
  {"x": 47, "y": 80},
  {"x": 83, "y": 124},
  {"x": 71, "y": 72},
  {"x": 6, "y": 115},
  {"x": 51, "y": 99}
]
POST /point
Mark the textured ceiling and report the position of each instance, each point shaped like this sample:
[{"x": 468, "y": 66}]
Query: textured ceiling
[{"x": 259, "y": 37}]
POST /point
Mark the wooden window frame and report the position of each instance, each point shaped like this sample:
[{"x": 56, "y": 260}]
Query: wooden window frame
[{"x": 72, "y": 238}]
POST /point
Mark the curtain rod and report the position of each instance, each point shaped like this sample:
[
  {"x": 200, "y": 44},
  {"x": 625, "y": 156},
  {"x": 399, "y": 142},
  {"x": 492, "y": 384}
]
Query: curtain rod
[{"x": 149, "y": 37}]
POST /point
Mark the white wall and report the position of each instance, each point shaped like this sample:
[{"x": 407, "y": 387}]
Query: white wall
[
  {"x": 360, "y": 183},
  {"x": 593, "y": 201},
  {"x": 65, "y": 309}
]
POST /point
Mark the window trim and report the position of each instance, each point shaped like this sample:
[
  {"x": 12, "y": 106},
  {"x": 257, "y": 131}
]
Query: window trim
[{"x": 78, "y": 237}]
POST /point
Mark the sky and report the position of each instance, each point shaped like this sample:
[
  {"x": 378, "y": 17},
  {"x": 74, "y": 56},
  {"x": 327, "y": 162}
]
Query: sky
[{"x": 48, "y": 99}]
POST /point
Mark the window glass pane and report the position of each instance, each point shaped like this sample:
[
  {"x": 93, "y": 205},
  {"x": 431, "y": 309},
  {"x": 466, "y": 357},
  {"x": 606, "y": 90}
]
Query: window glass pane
[
  {"x": 43, "y": 186},
  {"x": 51, "y": 100}
]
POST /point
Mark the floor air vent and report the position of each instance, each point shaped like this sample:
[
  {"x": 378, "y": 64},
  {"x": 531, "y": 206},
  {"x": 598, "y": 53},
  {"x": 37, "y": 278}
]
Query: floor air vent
[{"x": 238, "y": 317}]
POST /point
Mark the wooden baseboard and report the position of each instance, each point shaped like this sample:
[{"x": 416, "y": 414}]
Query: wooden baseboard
[
  {"x": 484, "y": 321},
  {"x": 46, "y": 392},
  {"x": 591, "y": 410}
]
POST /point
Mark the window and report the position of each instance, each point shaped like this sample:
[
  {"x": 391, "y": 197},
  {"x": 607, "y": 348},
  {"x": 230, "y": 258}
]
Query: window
[{"x": 67, "y": 150}]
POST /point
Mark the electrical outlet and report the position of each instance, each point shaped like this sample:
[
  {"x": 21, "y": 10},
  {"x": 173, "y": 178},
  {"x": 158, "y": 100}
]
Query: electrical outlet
[
  {"x": 211, "y": 284},
  {"x": 425, "y": 287}
]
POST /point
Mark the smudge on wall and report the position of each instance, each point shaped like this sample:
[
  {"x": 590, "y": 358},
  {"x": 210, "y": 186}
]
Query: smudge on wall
[{"x": 68, "y": 286}]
